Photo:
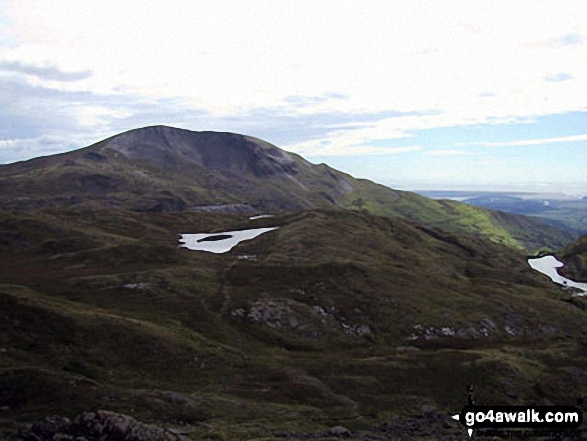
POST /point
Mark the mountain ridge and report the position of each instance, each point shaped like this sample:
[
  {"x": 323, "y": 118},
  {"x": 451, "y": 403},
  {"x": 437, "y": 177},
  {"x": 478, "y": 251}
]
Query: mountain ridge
[{"x": 161, "y": 168}]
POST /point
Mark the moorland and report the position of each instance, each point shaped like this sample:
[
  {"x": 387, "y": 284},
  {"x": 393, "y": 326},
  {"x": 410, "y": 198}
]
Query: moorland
[{"x": 366, "y": 314}]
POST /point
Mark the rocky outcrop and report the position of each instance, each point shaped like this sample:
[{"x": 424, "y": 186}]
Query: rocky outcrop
[
  {"x": 169, "y": 147},
  {"x": 296, "y": 317},
  {"x": 100, "y": 425},
  {"x": 486, "y": 328}
]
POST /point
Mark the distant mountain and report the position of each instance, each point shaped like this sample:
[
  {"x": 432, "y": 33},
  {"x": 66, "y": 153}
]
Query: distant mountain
[
  {"x": 557, "y": 210},
  {"x": 167, "y": 169}
]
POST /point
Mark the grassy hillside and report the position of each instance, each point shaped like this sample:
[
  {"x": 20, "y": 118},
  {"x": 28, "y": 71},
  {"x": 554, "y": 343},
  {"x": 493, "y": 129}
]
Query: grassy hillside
[
  {"x": 575, "y": 258},
  {"x": 570, "y": 214},
  {"x": 341, "y": 318},
  {"x": 162, "y": 169},
  {"x": 519, "y": 232}
]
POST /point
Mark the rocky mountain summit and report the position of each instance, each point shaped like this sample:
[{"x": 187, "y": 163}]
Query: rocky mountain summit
[
  {"x": 170, "y": 148},
  {"x": 165, "y": 169}
]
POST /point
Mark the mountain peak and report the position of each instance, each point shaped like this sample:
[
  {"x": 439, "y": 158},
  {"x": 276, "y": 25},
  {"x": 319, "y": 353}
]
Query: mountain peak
[
  {"x": 163, "y": 146},
  {"x": 161, "y": 168}
]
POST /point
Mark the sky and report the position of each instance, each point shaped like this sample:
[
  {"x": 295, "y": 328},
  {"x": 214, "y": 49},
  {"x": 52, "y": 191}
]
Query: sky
[{"x": 484, "y": 94}]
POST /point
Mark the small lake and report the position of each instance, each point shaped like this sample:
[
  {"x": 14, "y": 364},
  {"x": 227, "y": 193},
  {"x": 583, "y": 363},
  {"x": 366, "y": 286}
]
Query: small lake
[
  {"x": 221, "y": 242},
  {"x": 261, "y": 216},
  {"x": 547, "y": 265}
]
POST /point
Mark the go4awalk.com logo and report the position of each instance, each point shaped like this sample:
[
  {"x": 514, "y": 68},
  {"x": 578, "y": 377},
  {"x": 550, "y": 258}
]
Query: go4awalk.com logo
[{"x": 555, "y": 419}]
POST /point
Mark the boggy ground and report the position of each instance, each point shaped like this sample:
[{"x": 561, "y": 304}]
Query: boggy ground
[{"x": 337, "y": 320}]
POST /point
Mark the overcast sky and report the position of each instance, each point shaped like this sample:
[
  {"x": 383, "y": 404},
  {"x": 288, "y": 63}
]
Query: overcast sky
[{"x": 413, "y": 94}]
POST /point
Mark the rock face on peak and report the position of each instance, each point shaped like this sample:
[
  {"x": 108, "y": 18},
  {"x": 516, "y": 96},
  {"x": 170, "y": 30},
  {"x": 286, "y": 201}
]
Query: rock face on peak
[
  {"x": 167, "y": 169},
  {"x": 168, "y": 147},
  {"x": 164, "y": 169}
]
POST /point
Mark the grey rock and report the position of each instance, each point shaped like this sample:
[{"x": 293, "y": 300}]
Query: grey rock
[
  {"x": 340, "y": 432},
  {"x": 100, "y": 425}
]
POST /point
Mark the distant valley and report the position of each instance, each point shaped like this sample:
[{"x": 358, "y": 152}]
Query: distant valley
[{"x": 558, "y": 209}]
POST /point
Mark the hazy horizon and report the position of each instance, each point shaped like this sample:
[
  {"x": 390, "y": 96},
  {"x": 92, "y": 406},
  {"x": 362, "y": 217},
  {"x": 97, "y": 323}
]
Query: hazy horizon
[{"x": 544, "y": 189}]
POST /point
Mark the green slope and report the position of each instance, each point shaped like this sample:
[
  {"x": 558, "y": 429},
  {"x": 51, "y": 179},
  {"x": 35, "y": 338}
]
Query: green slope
[
  {"x": 574, "y": 257},
  {"x": 519, "y": 232},
  {"x": 343, "y": 318},
  {"x": 163, "y": 169}
]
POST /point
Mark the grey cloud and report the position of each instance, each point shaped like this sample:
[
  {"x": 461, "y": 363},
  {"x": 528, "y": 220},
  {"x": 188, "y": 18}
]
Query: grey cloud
[
  {"x": 277, "y": 125},
  {"x": 24, "y": 112},
  {"x": 27, "y": 148},
  {"x": 337, "y": 96},
  {"x": 32, "y": 113},
  {"x": 28, "y": 111},
  {"x": 304, "y": 101},
  {"x": 45, "y": 72},
  {"x": 282, "y": 127}
]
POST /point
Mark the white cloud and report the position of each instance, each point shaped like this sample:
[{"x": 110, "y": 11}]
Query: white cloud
[
  {"x": 318, "y": 148},
  {"x": 12, "y": 150},
  {"x": 447, "y": 152},
  {"x": 228, "y": 58},
  {"x": 539, "y": 141},
  {"x": 496, "y": 163},
  {"x": 50, "y": 73},
  {"x": 571, "y": 39},
  {"x": 99, "y": 115}
]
